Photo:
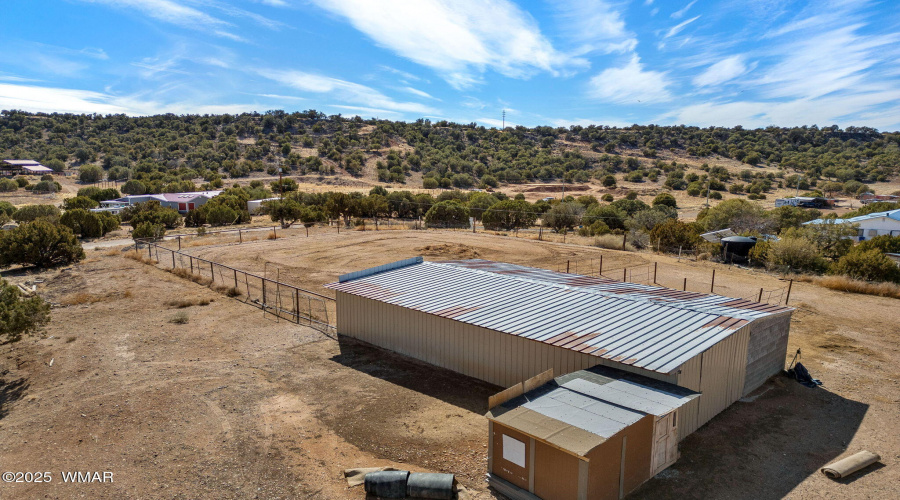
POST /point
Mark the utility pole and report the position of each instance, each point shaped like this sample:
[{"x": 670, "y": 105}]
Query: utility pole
[
  {"x": 708, "y": 181},
  {"x": 280, "y": 185},
  {"x": 797, "y": 194},
  {"x": 504, "y": 120}
]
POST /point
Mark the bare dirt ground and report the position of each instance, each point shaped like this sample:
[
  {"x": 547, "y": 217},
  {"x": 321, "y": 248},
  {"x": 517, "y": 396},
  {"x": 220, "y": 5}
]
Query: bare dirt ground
[{"x": 234, "y": 404}]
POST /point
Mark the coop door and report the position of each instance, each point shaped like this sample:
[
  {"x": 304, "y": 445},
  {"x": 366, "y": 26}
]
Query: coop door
[{"x": 665, "y": 443}]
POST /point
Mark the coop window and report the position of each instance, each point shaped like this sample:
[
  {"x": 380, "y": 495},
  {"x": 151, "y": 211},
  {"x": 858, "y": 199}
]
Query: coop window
[{"x": 514, "y": 451}]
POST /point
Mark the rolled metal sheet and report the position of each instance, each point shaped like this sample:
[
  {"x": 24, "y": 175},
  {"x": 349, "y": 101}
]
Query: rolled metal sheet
[{"x": 847, "y": 466}]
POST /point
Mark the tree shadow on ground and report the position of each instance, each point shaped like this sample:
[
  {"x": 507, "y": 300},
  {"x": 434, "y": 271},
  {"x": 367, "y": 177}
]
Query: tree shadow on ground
[
  {"x": 761, "y": 449},
  {"x": 448, "y": 386},
  {"x": 10, "y": 391}
]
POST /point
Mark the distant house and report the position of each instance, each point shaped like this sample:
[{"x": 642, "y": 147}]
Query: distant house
[
  {"x": 23, "y": 167},
  {"x": 182, "y": 202},
  {"x": 867, "y": 198},
  {"x": 255, "y": 206},
  {"x": 870, "y": 225},
  {"x": 806, "y": 202}
]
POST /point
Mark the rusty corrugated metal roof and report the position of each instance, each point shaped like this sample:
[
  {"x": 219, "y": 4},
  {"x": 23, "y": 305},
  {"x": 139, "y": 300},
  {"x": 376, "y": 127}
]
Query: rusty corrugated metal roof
[{"x": 649, "y": 327}]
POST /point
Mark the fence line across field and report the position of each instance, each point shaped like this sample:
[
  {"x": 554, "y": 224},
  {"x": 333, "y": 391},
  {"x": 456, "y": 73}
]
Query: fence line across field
[
  {"x": 648, "y": 274},
  {"x": 282, "y": 300}
]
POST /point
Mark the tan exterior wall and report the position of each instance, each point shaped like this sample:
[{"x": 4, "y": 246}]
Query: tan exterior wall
[
  {"x": 718, "y": 374},
  {"x": 555, "y": 473},
  {"x": 504, "y": 468},
  {"x": 606, "y": 461},
  {"x": 488, "y": 355}
]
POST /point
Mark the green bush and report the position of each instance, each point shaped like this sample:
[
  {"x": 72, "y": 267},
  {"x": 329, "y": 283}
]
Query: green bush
[
  {"x": 665, "y": 199},
  {"x": 39, "y": 243},
  {"x": 429, "y": 183},
  {"x": 133, "y": 187},
  {"x": 148, "y": 229},
  {"x": 82, "y": 202},
  {"x": 448, "y": 213},
  {"x": 46, "y": 187},
  {"x": 151, "y": 211},
  {"x": 673, "y": 235},
  {"x": 29, "y": 213},
  {"x": 797, "y": 254},
  {"x": 509, "y": 215},
  {"x": 19, "y": 315},
  {"x": 7, "y": 208},
  {"x": 868, "y": 265},
  {"x": 89, "y": 174},
  {"x": 8, "y": 185},
  {"x": 98, "y": 194},
  {"x": 82, "y": 222}
]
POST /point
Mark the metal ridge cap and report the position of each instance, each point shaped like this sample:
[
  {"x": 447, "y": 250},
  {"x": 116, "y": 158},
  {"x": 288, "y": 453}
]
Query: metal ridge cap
[{"x": 738, "y": 313}]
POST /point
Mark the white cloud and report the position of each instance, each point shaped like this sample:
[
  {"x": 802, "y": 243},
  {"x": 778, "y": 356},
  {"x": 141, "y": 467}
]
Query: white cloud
[
  {"x": 61, "y": 100},
  {"x": 680, "y": 13},
  {"x": 595, "y": 25},
  {"x": 725, "y": 70},
  {"x": 674, "y": 30},
  {"x": 273, "y": 3},
  {"x": 459, "y": 40},
  {"x": 420, "y": 93},
  {"x": 495, "y": 123},
  {"x": 347, "y": 91},
  {"x": 630, "y": 84},
  {"x": 830, "y": 61},
  {"x": 363, "y": 111},
  {"x": 172, "y": 12}
]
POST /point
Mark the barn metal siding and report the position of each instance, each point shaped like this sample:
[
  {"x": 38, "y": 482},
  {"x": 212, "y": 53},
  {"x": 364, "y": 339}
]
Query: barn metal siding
[
  {"x": 481, "y": 353},
  {"x": 718, "y": 374},
  {"x": 766, "y": 350}
]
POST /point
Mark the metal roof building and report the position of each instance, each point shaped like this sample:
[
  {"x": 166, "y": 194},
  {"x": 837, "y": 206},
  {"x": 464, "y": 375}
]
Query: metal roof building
[
  {"x": 504, "y": 323},
  {"x": 595, "y": 433}
]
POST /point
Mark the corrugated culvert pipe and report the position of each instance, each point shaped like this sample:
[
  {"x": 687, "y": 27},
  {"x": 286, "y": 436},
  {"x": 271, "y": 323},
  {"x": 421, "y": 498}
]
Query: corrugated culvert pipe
[
  {"x": 387, "y": 484},
  {"x": 429, "y": 485}
]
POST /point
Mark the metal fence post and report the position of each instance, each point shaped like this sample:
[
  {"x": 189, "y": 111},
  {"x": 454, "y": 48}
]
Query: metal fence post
[
  {"x": 600, "y": 272},
  {"x": 790, "y": 285},
  {"x": 712, "y": 285},
  {"x": 173, "y": 258},
  {"x": 212, "y": 272},
  {"x": 684, "y": 287},
  {"x": 235, "y": 278},
  {"x": 654, "y": 272},
  {"x": 567, "y": 267},
  {"x": 759, "y": 299},
  {"x": 624, "y": 274}
]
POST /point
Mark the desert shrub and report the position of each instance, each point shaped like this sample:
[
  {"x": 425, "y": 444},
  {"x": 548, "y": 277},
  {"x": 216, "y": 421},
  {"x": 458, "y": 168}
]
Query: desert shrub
[
  {"x": 563, "y": 216},
  {"x": 479, "y": 203},
  {"x": 596, "y": 228},
  {"x": 845, "y": 284},
  {"x": 153, "y": 212},
  {"x": 82, "y": 222},
  {"x": 29, "y": 213},
  {"x": 796, "y": 253},
  {"x": 148, "y": 229},
  {"x": 90, "y": 174},
  {"x": 665, "y": 199},
  {"x": 613, "y": 217},
  {"x": 221, "y": 215},
  {"x": 46, "y": 187},
  {"x": 39, "y": 243},
  {"x": 612, "y": 242},
  {"x": 430, "y": 183},
  {"x": 98, "y": 194},
  {"x": 867, "y": 265},
  {"x": 607, "y": 197},
  {"x": 180, "y": 318},
  {"x": 20, "y": 315},
  {"x": 134, "y": 186},
  {"x": 673, "y": 235},
  {"x": 82, "y": 202},
  {"x": 7, "y": 209},
  {"x": 8, "y": 185},
  {"x": 646, "y": 220},
  {"x": 448, "y": 213},
  {"x": 509, "y": 215}
]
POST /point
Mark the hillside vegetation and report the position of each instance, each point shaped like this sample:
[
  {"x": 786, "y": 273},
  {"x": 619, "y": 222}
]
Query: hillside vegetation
[{"x": 168, "y": 153}]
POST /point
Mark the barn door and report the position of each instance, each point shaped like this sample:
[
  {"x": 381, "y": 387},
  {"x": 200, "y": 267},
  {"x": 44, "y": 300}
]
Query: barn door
[{"x": 665, "y": 443}]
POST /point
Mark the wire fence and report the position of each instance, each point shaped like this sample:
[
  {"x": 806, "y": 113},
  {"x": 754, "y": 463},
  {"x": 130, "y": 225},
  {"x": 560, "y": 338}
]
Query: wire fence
[
  {"x": 649, "y": 274},
  {"x": 274, "y": 297}
]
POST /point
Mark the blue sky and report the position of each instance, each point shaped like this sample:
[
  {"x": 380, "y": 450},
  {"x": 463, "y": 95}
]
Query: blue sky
[{"x": 561, "y": 62}]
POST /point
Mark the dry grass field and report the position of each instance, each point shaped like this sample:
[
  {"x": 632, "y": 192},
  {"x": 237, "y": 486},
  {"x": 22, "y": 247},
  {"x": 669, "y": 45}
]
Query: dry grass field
[{"x": 185, "y": 393}]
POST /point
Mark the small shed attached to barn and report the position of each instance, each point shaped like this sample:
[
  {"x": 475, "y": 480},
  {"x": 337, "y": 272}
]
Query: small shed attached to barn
[
  {"x": 593, "y": 434},
  {"x": 505, "y": 323}
]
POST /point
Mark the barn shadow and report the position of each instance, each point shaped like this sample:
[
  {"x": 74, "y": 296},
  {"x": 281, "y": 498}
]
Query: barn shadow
[
  {"x": 10, "y": 391},
  {"x": 448, "y": 386},
  {"x": 764, "y": 448}
]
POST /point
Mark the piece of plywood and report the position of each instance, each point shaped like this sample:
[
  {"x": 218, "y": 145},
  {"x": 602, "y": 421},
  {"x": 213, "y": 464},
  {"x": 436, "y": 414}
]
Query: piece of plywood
[
  {"x": 505, "y": 395},
  {"x": 538, "y": 380}
]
